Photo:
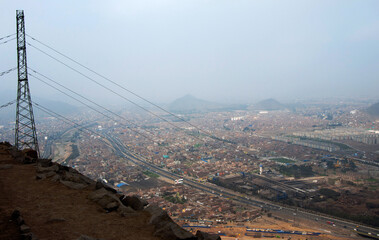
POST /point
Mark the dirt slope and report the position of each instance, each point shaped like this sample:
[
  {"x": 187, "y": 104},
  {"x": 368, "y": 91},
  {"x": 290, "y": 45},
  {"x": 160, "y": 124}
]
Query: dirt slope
[{"x": 54, "y": 211}]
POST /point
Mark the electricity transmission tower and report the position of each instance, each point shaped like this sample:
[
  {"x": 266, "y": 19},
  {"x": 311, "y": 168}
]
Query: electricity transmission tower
[{"x": 25, "y": 131}]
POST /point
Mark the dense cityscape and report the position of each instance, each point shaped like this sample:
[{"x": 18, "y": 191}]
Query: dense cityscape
[
  {"x": 190, "y": 120},
  {"x": 315, "y": 159}
]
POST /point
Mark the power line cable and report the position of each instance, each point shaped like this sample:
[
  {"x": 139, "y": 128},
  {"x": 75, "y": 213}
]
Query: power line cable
[
  {"x": 60, "y": 117},
  {"x": 114, "y": 92},
  {"x": 8, "y": 104},
  {"x": 135, "y": 131},
  {"x": 94, "y": 109},
  {"x": 89, "y": 100},
  {"x": 7, "y": 41},
  {"x": 124, "y": 88},
  {"x": 7, "y": 36},
  {"x": 7, "y": 71},
  {"x": 113, "y": 82},
  {"x": 205, "y": 133}
]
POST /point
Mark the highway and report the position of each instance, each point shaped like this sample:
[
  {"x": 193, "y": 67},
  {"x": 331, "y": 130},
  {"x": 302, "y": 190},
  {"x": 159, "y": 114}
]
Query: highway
[{"x": 280, "y": 210}]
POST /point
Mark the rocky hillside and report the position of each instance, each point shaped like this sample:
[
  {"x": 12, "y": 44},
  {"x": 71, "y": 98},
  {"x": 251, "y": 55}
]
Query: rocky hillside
[{"x": 40, "y": 199}]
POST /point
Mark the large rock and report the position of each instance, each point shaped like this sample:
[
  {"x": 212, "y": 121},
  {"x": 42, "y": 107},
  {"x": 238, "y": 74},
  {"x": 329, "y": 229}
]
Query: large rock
[
  {"x": 172, "y": 231},
  {"x": 158, "y": 216},
  {"x": 45, "y": 175},
  {"x": 30, "y": 153},
  {"x": 126, "y": 211},
  {"x": 75, "y": 176},
  {"x": 17, "y": 155},
  {"x": 44, "y": 162},
  {"x": 41, "y": 169},
  {"x": 105, "y": 199},
  {"x": 164, "y": 226},
  {"x": 101, "y": 184},
  {"x": 72, "y": 177},
  {"x": 207, "y": 236},
  {"x": 134, "y": 202},
  {"x": 56, "y": 178},
  {"x": 30, "y": 156}
]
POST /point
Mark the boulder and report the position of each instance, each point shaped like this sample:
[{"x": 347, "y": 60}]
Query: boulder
[
  {"x": 87, "y": 179},
  {"x": 72, "y": 177},
  {"x": 164, "y": 226},
  {"x": 125, "y": 211},
  {"x": 30, "y": 153},
  {"x": 101, "y": 184},
  {"x": 172, "y": 231},
  {"x": 29, "y": 156},
  {"x": 17, "y": 155},
  {"x": 56, "y": 178},
  {"x": 41, "y": 169},
  {"x": 105, "y": 199},
  {"x": 45, "y": 162},
  {"x": 63, "y": 168},
  {"x": 207, "y": 236},
  {"x": 108, "y": 203},
  {"x": 158, "y": 216},
  {"x": 75, "y": 176},
  {"x": 134, "y": 202},
  {"x": 112, "y": 206},
  {"x": 98, "y": 194},
  {"x": 45, "y": 175}
]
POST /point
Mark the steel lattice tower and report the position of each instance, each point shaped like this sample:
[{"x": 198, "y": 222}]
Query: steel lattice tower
[{"x": 25, "y": 131}]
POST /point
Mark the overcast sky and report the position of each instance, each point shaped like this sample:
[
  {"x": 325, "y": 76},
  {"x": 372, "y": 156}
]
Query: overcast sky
[{"x": 226, "y": 51}]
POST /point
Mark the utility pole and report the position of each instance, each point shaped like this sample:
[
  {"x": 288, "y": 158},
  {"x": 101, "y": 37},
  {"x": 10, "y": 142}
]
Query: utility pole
[{"x": 25, "y": 130}]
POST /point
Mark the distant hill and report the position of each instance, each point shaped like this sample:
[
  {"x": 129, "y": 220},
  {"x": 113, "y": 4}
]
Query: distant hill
[
  {"x": 191, "y": 104},
  {"x": 373, "y": 110},
  {"x": 268, "y": 105}
]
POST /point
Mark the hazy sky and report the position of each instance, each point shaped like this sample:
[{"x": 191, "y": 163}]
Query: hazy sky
[{"x": 214, "y": 49}]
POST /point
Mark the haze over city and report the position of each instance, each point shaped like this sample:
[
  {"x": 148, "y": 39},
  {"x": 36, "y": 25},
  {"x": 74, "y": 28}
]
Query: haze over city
[
  {"x": 191, "y": 120},
  {"x": 223, "y": 51}
]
